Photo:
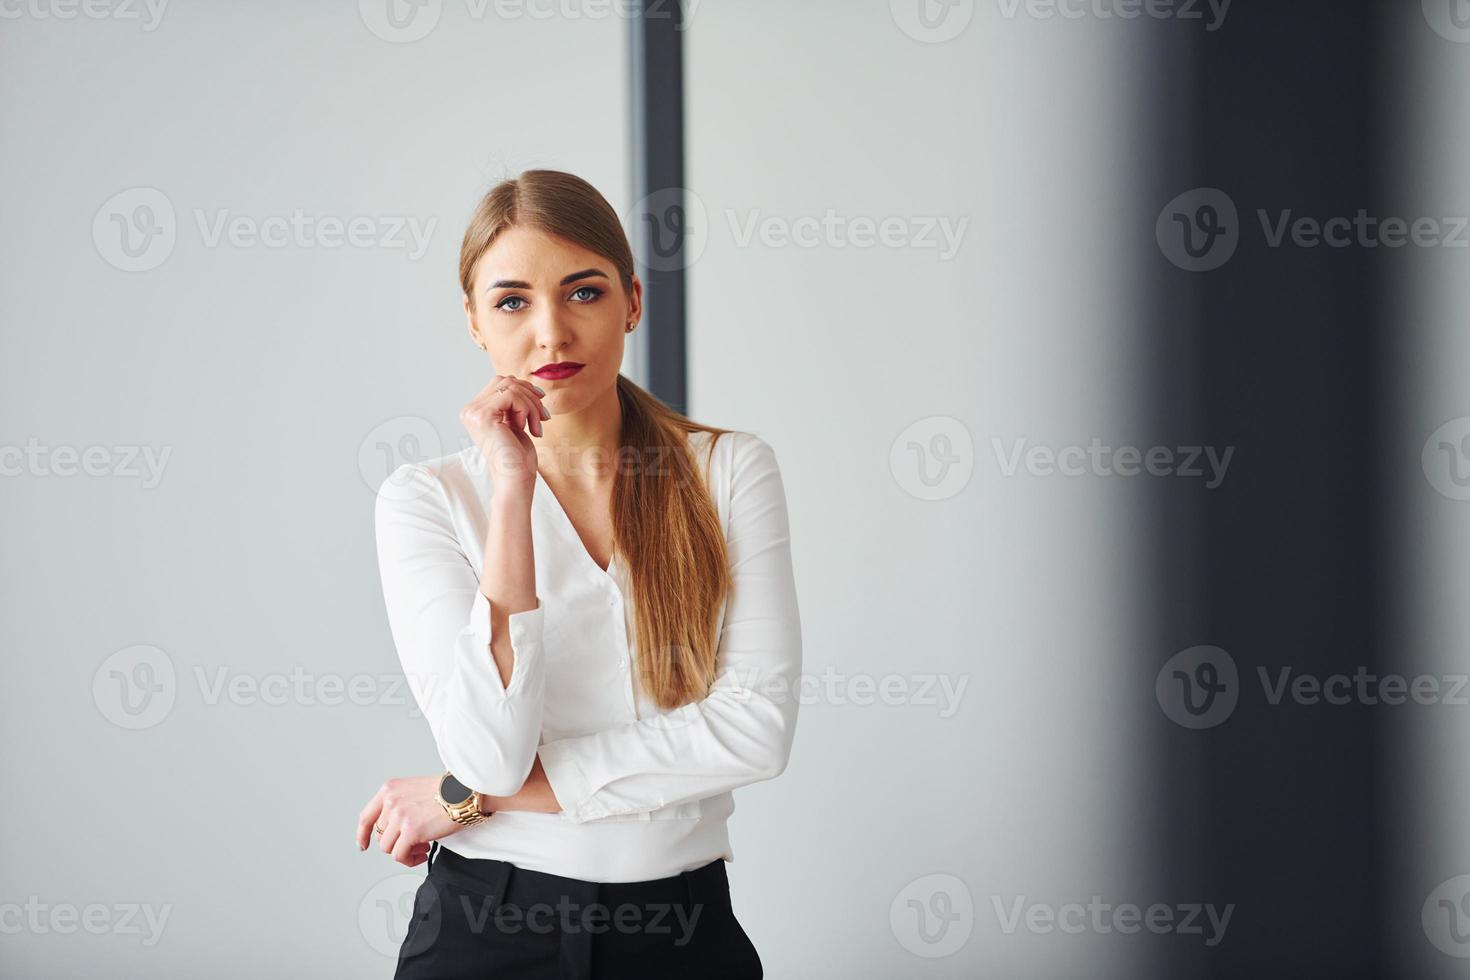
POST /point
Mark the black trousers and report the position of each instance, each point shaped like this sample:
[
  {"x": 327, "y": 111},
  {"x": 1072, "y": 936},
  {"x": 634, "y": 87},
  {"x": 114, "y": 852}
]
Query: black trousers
[{"x": 483, "y": 919}]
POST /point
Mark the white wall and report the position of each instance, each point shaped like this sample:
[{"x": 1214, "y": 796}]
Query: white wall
[
  {"x": 1022, "y": 587},
  {"x": 263, "y": 372}
]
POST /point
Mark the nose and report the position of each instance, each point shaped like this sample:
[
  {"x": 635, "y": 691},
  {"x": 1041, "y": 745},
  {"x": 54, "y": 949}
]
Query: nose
[{"x": 552, "y": 332}]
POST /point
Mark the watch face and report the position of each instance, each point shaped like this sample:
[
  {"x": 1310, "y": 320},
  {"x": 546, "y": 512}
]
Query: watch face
[{"x": 454, "y": 791}]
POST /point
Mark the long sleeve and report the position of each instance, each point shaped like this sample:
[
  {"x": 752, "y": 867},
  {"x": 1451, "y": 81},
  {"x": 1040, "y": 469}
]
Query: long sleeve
[
  {"x": 486, "y": 731},
  {"x": 742, "y": 731}
]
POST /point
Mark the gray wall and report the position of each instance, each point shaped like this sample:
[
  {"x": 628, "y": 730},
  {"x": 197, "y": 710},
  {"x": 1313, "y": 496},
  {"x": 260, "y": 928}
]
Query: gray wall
[
  {"x": 1015, "y": 590},
  {"x": 272, "y": 377},
  {"x": 995, "y": 628}
]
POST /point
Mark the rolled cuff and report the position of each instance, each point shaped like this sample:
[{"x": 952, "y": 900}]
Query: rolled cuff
[
  {"x": 526, "y": 631},
  {"x": 570, "y": 785}
]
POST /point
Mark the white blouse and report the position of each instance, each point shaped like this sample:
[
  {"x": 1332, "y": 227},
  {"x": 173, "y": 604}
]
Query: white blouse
[{"x": 645, "y": 793}]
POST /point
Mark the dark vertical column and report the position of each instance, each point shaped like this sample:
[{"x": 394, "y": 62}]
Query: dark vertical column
[
  {"x": 659, "y": 231},
  {"x": 1285, "y": 797}
]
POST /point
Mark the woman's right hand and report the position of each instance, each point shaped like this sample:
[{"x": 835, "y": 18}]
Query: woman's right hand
[{"x": 499, "y": 423}]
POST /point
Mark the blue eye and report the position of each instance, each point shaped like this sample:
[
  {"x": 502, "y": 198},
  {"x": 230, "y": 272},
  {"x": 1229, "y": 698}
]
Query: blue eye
[
  {"x": 587, "y": 289},
  {"x": 509, "y": 299}
]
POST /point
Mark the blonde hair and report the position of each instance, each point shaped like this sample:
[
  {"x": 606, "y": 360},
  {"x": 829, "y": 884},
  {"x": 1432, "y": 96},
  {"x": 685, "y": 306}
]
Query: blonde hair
[{"x": 666, "y": 528}]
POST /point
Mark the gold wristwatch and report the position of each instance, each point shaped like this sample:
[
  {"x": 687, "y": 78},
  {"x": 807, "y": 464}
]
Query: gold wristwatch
[{"x": 459, "y": 801}]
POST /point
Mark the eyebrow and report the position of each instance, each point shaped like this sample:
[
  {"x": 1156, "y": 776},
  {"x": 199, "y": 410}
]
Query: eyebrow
[{"x": 521, "y": 284}]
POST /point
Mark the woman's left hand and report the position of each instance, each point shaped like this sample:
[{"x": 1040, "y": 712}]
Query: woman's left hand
[{"x": 407, "y": 816}]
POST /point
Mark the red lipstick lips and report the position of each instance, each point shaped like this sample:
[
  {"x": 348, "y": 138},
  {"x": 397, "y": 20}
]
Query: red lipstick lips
[{"x": 557, "y": 370}]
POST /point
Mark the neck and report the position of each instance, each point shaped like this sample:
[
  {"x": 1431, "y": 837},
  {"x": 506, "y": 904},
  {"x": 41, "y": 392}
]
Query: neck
[{"x": 582, "y": 445}]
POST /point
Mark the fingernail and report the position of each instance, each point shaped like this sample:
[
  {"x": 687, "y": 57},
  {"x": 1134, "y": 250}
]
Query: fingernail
[
  {"x": 545, "y": 413},
  {"x": 539, "y": 390}
]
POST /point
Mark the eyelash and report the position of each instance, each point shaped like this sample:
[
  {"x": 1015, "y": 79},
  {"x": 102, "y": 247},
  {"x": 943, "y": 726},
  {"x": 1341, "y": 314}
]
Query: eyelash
[{"x": 596, "y": 295}]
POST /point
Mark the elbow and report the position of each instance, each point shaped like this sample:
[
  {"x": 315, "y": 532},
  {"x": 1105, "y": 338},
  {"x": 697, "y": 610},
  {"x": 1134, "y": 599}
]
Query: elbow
[
  {"x": 772, "y": 759},
  {"x": 774, "y": 764},
  {"x": 489, "y": 769}
]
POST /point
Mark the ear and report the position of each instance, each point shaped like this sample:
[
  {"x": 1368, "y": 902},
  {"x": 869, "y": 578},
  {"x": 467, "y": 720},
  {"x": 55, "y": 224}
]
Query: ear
[
  {"x": 469, "y": 317},
  {"x": 635, "y": 300}
]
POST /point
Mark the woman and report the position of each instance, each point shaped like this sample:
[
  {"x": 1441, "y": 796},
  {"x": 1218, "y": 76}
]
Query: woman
[{"x": 595, "y": 608}]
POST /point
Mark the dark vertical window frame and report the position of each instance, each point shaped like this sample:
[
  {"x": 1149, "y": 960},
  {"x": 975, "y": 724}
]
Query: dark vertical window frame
[
  {"x": 1284, "y": 804},
  {"x": 657, "y": 117}
]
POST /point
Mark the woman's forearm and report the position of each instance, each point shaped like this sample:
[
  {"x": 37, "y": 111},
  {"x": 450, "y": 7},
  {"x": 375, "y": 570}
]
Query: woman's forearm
[
  {"x": 535, "y": 795},
  {"x": 509, "y": 576}
]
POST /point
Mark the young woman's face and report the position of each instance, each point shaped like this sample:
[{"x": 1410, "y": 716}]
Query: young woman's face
[{"x": 539, "y": 300}]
